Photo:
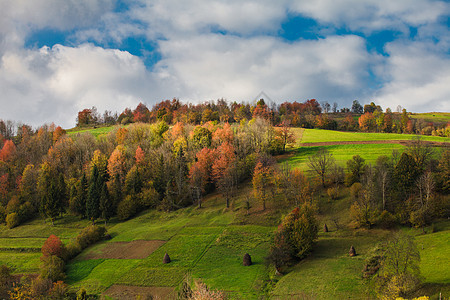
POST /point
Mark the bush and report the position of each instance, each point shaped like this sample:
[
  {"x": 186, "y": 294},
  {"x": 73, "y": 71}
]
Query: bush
[
  {"x": 333, "y": 193},
  {"x": 12, "y": 220},
  {"x": 40, "y": 287},
  {"x": 90, "y": 235},
  {"x": 52, "y": 268},
  {"x": 72, "y": 250},
  {"x": 59, "y": 290},
  {"x": 386, "y": 220},
  {"x": 127, "y": 208}
]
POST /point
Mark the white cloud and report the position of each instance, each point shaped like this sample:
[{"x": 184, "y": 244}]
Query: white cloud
[
  {"x": 198, "y": 63},
  {"x": 214, "y": 66},
  {"x": 417, "y": 78},
  {"x": 19, "y": 18},
  {"x": 373, "y": 15},
  {"x": 54, "y": 84}
]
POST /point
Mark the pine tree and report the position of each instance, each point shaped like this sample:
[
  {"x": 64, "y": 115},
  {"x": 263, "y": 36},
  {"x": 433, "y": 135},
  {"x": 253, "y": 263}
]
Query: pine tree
[
  {"x": 93, "y": 197},
  {"x": 106, "y": 205}
]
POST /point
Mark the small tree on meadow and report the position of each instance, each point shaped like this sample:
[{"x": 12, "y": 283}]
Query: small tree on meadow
[
  {"x": 320, "y": 163},
  {"x": 295, "y": 236}
]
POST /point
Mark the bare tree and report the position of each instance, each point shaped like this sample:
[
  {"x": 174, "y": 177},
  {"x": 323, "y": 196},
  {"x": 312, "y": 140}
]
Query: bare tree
[
  {"x": 335, "y": 107},
  {"x": 321, "y": 162},
  {"x": 326, "y": 106}
]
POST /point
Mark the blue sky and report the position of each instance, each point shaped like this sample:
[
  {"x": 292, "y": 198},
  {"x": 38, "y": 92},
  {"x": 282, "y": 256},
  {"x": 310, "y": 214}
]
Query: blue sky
[{"x": 58, "y": 57}]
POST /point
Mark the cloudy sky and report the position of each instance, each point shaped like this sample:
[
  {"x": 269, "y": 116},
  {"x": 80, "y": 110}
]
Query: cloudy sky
[{"x": 58, "y": 57}]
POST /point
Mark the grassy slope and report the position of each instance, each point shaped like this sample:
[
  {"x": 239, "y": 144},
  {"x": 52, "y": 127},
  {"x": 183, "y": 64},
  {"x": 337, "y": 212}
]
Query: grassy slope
[
  {"x": 94, "y": 131},
  {"x": 209, "y": 244},
  {"x": 439, "y": 117},
  {"x": 342, "y": 153},
  {"x": 321, "y": 135},
  {"x": 203, "y": 243}
]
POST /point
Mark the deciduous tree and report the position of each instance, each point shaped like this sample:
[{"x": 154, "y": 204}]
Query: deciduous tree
[{"x": 320, "y": 163}]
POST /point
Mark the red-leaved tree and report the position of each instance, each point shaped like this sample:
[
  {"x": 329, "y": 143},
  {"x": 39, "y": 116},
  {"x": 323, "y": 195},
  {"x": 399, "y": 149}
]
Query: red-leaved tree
[{"x": 53, "y": 246}]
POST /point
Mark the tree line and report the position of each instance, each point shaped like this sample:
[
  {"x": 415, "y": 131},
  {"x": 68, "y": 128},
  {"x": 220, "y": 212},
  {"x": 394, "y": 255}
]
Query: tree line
[{"x": 309, "y": 114}]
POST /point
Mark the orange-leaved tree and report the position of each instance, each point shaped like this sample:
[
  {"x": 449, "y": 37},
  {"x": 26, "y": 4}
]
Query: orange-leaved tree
[{"x": 224, "y": 171}]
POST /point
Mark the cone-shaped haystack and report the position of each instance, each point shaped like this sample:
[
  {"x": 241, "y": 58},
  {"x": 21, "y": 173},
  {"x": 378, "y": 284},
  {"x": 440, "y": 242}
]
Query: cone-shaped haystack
[
  {"x": 166, "y": 259},
  {"x": 325, "y": 228},
  {"x": 247, "y": 260},
  {"x": 352, "y": 251}
]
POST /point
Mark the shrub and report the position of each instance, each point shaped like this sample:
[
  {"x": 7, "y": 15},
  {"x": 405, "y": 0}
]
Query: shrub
[
  {"x": 52, "y": 268},
  {"x": 73, "y": 249},
  {"x": 90, "y": 235},
  {"x": 386, "y": 220},
  {"x": 13, "y": 205},
  {"x": 81, "y": 294},
  {"x": 12, "y": 220},
  {"x": 333, "y": 193},
  {"x": 58, "y": 290},
  {"x": 127, "y": 208},
  {"x": 40, "y": 286}
]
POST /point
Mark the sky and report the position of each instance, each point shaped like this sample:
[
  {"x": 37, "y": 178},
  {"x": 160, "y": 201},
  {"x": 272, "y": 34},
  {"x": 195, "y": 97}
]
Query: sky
[{"x": 59, "y": 57}]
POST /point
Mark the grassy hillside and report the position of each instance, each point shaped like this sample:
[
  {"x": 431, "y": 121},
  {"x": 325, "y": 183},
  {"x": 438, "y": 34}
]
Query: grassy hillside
[
  {"x": 208, "y": 244},
  {"x": 321, "y": 135},
  {"x": 439, "y": 117},
  {"x": 98, "y": 131}
]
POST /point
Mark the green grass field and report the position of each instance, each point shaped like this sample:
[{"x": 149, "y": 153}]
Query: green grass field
[
  {"x": 96, "y": 132},
  {"x": 342, "y": 153},
  {"x": 321, "y": 135},
  {"x": 439, "y": 117}
]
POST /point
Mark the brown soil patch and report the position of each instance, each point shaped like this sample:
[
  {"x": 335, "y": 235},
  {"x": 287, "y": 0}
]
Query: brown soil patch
[
  {"x": 127, "y": 250},
  {"x": 146, "y": 292}
]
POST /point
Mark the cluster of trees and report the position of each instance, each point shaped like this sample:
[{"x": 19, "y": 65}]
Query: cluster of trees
[
  {"x": 309, "y": 114},
  {"x": 130, "y": 169},
  {"x": 404, "y": 189}
]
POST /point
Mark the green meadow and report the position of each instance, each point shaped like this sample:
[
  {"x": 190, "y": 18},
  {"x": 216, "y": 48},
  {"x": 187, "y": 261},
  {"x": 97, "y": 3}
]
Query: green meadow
[
  {"x": 439, "y": 117},
  {"x": 96, "y": 132},
  {"x": 322, "y": 135}
]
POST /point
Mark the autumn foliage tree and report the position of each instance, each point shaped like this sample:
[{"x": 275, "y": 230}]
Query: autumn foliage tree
[
  {"x": 53, "y": 246},
  {"x": 8, "y": 150},
  {"x": 224, "y": 171},
  {"x": 263, "y": 182}
]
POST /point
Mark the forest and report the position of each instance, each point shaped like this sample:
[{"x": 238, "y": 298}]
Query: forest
[{"x": 174, "y": 155}]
